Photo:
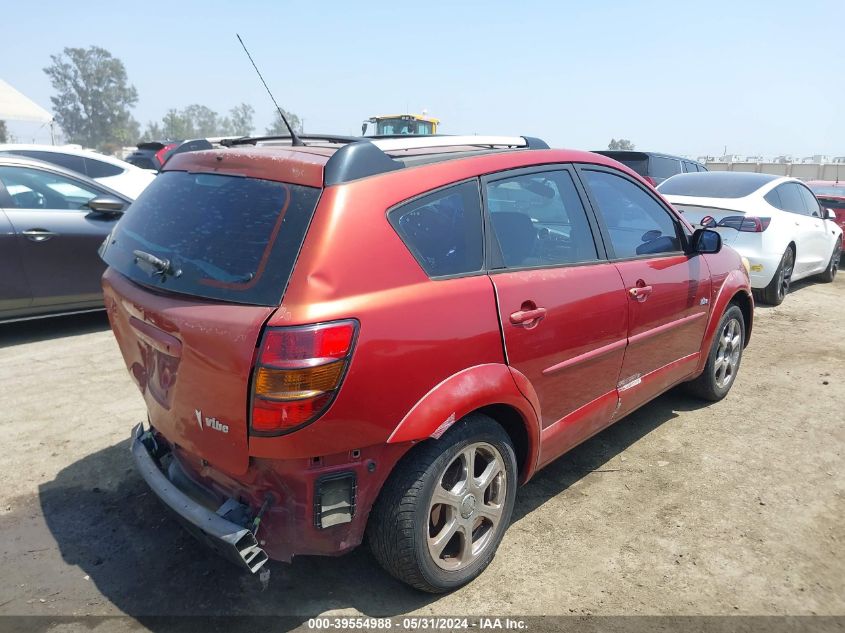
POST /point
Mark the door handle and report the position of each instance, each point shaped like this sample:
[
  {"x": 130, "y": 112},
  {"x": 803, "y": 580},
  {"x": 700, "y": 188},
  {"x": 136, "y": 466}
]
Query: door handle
[
  {"x": 527, "y": 317},
  {"x": 38, "y": 235},
  {"x": 640, "y": 293}
]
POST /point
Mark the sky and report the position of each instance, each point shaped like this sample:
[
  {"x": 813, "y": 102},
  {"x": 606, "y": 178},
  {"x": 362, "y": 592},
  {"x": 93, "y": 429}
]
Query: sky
[{"x": 691, "y": 78}]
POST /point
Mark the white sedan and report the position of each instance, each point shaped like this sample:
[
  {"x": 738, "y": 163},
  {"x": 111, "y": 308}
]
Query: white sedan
[
  {"x": 774, "y": 222},
  {"x": 112, "y": 172}
]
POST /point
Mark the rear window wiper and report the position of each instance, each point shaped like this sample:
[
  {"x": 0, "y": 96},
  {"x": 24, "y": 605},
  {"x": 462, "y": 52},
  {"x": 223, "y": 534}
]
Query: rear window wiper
[{"x": 153, "y": 265}]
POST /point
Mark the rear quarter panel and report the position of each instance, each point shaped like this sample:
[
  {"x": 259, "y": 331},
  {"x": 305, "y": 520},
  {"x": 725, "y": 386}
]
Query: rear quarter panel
[{"x": 414, "y": 332}]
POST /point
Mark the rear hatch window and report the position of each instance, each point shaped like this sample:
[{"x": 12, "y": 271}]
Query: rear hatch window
[
  {"x": 226, "y": 238},
  {"x": 662, "y": 168},
  {"x": 639, "y": 165}
]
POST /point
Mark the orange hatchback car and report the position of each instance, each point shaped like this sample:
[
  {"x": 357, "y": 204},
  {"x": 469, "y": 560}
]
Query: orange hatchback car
[{"x": 380, "y": 339}]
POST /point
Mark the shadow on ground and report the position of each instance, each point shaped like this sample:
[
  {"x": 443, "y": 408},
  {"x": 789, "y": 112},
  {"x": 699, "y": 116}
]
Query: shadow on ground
[
  {"x": 21, "y": 332},
  {"x": 798, "y": 286},
  {"x": 106, "y": 521}
]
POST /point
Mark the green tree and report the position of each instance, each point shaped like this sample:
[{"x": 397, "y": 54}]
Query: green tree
[
  {"x": 203, "y": 121},
  {"x": 621, "y": 144},
  {"x": 4, "y": 133},
  {"x": 153, "y": 132},
  {"x": 93, "y": 98},
  {"x": 280, "y": 129},
  {"x": 199, "y": 121},
  {"x": 241, "y": 120}
]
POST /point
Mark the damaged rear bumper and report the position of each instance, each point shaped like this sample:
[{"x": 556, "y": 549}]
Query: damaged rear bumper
[{"x": 233, "y": 541}]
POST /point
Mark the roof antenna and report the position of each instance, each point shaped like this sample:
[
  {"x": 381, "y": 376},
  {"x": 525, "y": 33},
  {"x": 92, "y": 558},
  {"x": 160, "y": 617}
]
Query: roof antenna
[{"x": 294, "y": 139}]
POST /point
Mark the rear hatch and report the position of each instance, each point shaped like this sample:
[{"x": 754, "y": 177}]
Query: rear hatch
[{"x": 196, "y": 267}]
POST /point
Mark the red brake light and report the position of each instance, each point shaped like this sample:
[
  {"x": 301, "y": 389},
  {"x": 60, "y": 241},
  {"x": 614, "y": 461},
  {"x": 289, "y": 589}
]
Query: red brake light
[
  {"x": 163, "y": 154},
  {"x": 289, "y": 347},
  {"x": 298, "y": 373},
  {"x": 746, "y": 223}
]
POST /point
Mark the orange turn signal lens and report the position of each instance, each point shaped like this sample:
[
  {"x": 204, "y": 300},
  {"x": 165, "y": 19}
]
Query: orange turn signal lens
[{"x": 296, "y": 384}]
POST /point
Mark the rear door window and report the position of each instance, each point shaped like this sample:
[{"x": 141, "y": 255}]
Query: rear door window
[
  {"x": 690, "y": 167},
  {"x": 443, "y": 230},
  {"x": 99, "y": 169},
  {"x": 790, "y": 198},
  {"x": 539, "y": 220},
  {"x": 810, "y": 202},
  {"x": 637, "y": 224},
  {"x": 661, "y": 168},
  {"x": 222, "y": 237}
]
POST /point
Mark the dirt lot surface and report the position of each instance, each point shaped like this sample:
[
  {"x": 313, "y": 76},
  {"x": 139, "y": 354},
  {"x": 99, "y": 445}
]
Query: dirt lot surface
[{"x": 681, "y": 508}]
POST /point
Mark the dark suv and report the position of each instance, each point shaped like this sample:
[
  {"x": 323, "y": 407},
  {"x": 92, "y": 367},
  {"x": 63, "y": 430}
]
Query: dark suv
[
  {"x": 654, "y": 167},
  {"x": 381, "y": 339},
  {"x": 153, "y": 154}
]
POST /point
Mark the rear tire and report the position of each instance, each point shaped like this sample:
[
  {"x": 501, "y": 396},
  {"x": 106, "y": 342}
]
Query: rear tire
[
  {"x": 833, "y": 265},
  {"x": 723, "y": 360},
  {"x": 778, "y": 287},
  {"x": 443, "y": 511}
]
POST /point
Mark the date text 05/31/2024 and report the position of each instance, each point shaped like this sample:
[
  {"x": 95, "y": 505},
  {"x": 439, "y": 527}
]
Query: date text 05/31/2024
[{"x": 417, "y": 623}]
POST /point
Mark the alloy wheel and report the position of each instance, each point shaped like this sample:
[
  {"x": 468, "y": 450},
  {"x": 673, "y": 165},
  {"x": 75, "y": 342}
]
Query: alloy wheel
[
  {"x": 786, "y": 273},
  {"x": 466, "y": 506},
  {"x": 728, "y": 353}
]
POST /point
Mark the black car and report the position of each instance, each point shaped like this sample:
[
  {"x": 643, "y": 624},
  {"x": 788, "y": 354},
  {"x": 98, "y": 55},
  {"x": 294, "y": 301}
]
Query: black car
[
  {"x": 153, "y": 154},
  {"x": 653, "y": 166},
  {"x": 52, "y": 222}
]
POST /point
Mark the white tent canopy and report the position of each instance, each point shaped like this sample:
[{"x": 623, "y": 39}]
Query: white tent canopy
[{"x": 16, "y": 107}]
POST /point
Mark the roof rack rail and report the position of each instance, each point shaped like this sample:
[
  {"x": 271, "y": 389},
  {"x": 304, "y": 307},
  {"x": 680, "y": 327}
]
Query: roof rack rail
[
  {"x": 368, "y": 157},
  {"x": 254, "y": 140},
  {"x": 426, "y": 141},
  {"x": 361, "y": 156}
]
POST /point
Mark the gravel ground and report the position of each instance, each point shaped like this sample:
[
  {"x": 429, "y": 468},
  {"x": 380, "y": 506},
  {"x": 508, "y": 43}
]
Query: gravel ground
[{"x": 679, "y": 509}]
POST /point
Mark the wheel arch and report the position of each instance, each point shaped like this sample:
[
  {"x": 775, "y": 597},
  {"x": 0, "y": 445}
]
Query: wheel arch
[
  {"x": 744, "y": 302},
  {"x": 734, "y": 290},
  {"x": 489, "y": 389}
]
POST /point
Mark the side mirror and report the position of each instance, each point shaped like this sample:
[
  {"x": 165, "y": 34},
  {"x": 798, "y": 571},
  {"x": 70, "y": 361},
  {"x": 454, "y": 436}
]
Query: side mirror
[
  {"x": 364, "y": 128},
  {"x": 829, "y": 214},
  {"x": 706, "y": 241},
  {"x": 106, "y": 205}
]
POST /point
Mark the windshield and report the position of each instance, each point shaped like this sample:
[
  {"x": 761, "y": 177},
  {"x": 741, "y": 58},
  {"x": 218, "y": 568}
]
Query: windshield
[
  {"x": 220, "y": 237},
  {"x": 403, "y": 126},
  {"x": 714, "y": 184}
]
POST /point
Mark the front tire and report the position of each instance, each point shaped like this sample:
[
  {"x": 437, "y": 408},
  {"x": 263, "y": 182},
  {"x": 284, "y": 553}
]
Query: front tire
[
  {"x": 833, "y": 266},
  {"x": 778, "y": 287},
  {"x": 443, "y": 512},
  {"x": 724, "y": 358}
]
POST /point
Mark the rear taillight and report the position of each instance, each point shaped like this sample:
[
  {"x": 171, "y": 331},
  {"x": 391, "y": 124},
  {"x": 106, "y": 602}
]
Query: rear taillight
[
  {"x": 163, "y": 154},
  {"x": 297, "y": 374},
  {"x": 745, "y": 223}
]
